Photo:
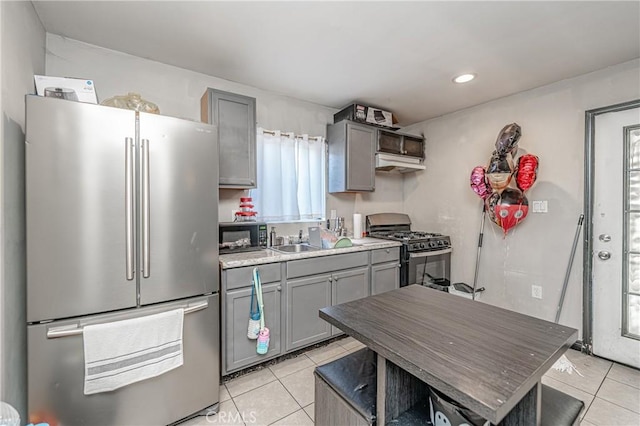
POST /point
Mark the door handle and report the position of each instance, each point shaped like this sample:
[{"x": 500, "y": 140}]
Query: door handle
[
  {"x": 604, "y": 238},
  {"x": 145, "y": 208},
  {"x": 604, "y": 255},
  {"x": 128, "y": 207}
]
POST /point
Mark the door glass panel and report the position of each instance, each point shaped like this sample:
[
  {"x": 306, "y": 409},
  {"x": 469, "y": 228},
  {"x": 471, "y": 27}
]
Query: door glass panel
[
  {"x": 634, "y": 190},
  {"x": 634, "y": 315},
  {"x": 634, "y": 151},
  {"x": 633, "y": 220},
  {"x": 634, "y": 273},
  {"x": 631, "y": 283}
]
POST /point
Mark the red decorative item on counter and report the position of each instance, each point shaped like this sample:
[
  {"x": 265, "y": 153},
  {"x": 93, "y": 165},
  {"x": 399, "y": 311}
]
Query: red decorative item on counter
[{"x": 246, "y": 213}]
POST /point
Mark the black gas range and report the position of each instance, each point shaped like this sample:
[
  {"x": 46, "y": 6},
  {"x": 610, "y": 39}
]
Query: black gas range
[{"x": 425, "y": 257}]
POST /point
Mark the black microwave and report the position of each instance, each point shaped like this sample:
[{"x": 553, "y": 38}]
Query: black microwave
[{"x": 237, "y": 237}]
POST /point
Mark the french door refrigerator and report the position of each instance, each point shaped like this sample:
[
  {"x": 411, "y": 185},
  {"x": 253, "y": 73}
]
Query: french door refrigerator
[{"x": 121, "y": 223}]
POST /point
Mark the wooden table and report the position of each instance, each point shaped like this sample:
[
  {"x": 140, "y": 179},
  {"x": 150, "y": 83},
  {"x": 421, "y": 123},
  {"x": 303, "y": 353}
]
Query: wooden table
[{"x": 486, "y": 358}]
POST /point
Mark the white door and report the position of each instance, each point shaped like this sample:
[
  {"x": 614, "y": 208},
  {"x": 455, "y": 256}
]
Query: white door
[{"x": 616, "y": 236}]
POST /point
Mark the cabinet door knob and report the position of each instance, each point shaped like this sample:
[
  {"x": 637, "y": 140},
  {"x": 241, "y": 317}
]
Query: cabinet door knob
[
  {"x": 399, "y": 265},
  {"x": 330, "y": 279},
  {"x": 279, "y": 288},
  {"x": 388, "y": 250}
]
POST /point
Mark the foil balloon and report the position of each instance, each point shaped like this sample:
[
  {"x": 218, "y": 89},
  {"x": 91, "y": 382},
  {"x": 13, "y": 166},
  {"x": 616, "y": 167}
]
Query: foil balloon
[
  {"x": 526, "y": 172},
  {"x": 511, "y": 209},
  {"x": 500, "y": 171},
  {"x": 508, "y": 137},
  {"x": 501, "y": 185},
  {"x": 479, "y": 182},
  {"x": 490, "y": 207}
]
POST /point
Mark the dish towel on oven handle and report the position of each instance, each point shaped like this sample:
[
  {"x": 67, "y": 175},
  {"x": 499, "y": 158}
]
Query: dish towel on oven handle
[{"x": 120, "y": 353}]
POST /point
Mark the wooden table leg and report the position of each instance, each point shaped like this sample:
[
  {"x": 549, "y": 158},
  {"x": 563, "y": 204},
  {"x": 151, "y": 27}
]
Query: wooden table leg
[
  {"x": 381, "y": 392},
  {"x": 397, "y": 390},
  {"x": 527, "y": 411}
]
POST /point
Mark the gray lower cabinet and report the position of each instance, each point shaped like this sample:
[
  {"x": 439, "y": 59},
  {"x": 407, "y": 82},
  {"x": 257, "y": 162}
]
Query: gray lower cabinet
[
  {"x": 385, "y": 277},
  {"x": 240, "y": 351},
  {"x": 235, "y": 117},
  {"x": 316, "y": 283},
  {"x": 293, "y": 294},
  {"x": 352, "y": 149},
  {"x": 305, "y": 297},
  {"x": 385, "y": 270},
  {"x": 347, "y": 286}
]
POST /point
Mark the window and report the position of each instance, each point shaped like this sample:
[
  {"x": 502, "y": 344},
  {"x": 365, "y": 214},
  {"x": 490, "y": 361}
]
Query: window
[{"x": 291, "y": 177}]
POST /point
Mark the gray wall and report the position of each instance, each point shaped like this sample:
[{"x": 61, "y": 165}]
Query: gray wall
[
  {"x": 537, "y": 250},
  {"x": 23, "y": 45}
]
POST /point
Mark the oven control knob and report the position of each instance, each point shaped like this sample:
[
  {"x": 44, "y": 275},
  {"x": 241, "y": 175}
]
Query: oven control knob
[
  {"x": 440, "y": 243},
  {"x": 432, "y": 244},
  {"x": 421, "y": 245}
]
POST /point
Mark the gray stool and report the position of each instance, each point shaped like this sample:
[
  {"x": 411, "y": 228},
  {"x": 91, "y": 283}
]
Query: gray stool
[
  {"x": 558, "y": 408},
  {"x": 346, "y": 390},
  {"x": 346, "y": 395}
]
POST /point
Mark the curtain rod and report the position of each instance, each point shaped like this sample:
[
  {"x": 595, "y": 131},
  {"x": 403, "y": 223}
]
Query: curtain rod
[{"x": 273, "y": 132}]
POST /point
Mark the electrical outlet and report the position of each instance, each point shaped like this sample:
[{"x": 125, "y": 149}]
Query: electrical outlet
[{"x": 536, "y": 291}]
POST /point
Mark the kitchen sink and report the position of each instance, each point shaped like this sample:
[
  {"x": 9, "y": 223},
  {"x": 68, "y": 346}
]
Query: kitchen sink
[{"x": 295, "y": 248}]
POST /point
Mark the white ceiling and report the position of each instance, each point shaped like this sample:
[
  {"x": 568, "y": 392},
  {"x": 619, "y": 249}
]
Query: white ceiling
[{"x": 400, "y": 56}]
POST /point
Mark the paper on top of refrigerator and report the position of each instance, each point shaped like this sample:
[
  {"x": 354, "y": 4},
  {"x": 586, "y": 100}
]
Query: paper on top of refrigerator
[{"x": 71, "y": 89}]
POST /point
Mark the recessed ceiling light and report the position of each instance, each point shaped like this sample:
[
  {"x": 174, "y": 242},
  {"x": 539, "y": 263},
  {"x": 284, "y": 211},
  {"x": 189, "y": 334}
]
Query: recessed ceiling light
[{"x": 464, "y": 78}]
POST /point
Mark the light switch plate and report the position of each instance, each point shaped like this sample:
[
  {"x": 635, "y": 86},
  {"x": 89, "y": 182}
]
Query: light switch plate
[{"x": 540, "y": 206}]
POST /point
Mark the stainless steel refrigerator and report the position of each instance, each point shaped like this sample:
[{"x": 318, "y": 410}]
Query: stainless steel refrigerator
[{"x": 121, "y": 222}]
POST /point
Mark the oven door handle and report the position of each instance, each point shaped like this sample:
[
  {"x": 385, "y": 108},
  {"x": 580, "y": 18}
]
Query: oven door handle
[{"x": 430, "y": 253}]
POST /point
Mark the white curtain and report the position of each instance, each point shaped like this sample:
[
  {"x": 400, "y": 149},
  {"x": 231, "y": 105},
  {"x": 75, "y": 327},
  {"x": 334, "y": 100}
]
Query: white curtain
[{"x": 290, "y": 177}]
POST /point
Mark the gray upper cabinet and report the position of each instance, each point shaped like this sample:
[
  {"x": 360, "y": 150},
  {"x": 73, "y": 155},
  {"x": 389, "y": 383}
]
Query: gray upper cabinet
[
  {"x": 235, "y": 117},
  {"x": 352, "y": 148}
]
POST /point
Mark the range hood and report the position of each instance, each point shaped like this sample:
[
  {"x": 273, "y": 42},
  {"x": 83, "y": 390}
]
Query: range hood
[{"x": 398, "y": 163}]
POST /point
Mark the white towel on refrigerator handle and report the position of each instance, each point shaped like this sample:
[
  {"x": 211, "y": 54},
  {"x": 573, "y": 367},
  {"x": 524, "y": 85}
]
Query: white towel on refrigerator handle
[{"x": 119, "y": 353}]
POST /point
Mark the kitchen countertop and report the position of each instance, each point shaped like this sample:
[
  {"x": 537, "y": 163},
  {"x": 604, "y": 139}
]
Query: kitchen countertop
[{"x": 260, "y": 257}]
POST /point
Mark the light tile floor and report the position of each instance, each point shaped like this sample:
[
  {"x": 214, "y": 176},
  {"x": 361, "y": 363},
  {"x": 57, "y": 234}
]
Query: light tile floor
[{"x": 282, "y": 394}]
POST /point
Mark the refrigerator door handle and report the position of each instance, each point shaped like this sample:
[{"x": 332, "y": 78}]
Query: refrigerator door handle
[
  {"x": 76, "y": 329},
  {"x": 129, "y": 203},
  {"x": 145, "y": 209}
]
